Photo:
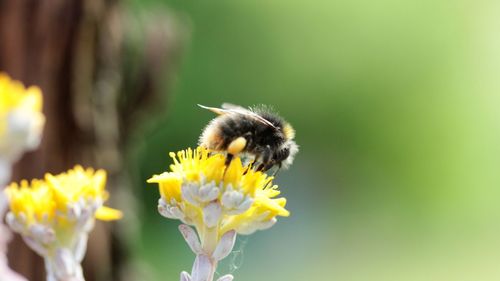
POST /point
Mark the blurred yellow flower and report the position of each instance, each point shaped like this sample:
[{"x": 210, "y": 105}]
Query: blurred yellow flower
[
  {"x": 14, "y": 95},
  {"x": 21, "y": 118},
  {"x": 51, "y": 199},
  {"x": 21, "y": 124},
  {"x": 55, "y": 215}
]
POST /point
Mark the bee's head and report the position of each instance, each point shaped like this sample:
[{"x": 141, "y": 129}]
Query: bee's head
[{"x": 285, "y": 154}]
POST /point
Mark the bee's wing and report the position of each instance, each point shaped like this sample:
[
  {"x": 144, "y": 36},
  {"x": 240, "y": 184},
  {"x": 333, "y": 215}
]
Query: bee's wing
[
  {"x": 241, "y": 110},
  {"x": 215, "y": 110},
  {"x": 228, "y": 108}
]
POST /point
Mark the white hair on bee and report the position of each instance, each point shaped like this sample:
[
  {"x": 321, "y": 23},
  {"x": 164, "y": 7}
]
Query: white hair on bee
[{"x": 294, "y": 148}]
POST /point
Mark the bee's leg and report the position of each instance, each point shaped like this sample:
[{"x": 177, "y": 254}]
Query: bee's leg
[
  {"x": 229, "y": 158},
  {"x": 260, "y": 167},
  {"x": 266, "y": 159},
  {"x": 249, "y": 139},
  {"x": 251, "y": 164},
  {"x": 277, "y": 170},
  {"x": 235, "y": 147},
  {"x": 273, "y": 175}
]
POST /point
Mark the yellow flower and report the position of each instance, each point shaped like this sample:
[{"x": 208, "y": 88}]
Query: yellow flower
[
  {"x": 49, "y": 201},
  {"x": 219, "y": 200},
  {"x": 56, "y": 214},
  {"x": 200, "y": 190},
  {"x": 13, "y": 95},
  {"x": 21, "y": 118}
]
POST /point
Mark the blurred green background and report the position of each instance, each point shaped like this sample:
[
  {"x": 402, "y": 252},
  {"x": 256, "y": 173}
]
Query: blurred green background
[{"x": 395, "y": 104}]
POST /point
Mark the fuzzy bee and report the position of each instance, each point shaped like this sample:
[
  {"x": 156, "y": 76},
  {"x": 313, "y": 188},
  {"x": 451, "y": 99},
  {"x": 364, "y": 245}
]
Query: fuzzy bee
[{"x": 257, "y": 132}]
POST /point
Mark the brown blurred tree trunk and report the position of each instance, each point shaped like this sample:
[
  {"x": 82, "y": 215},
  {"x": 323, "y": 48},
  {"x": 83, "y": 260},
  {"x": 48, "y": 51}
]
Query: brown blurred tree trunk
[{"x": 73, "y": 50}]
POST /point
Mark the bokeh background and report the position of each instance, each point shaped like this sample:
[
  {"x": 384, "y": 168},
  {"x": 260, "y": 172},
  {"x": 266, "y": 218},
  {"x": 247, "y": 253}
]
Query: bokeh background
[{"x": 395, "y": 104}]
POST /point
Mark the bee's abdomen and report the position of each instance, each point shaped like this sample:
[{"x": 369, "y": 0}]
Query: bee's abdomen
[
  {"x": 221, "y": 131},
  {"x": 211, "y": 137}
]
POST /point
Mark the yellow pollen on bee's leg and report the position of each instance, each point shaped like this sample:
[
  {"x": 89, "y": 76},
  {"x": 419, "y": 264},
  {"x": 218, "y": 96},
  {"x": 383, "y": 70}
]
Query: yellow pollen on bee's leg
[{"x": 236, "y": 146}]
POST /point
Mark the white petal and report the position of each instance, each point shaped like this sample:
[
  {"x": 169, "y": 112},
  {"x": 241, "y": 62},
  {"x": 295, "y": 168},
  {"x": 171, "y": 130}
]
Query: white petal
[
  {"x": 170, "y": 211},
  {"x": 5, "y": 237},
  {"x": 42, "y": 233},
  {"x": 34, "y": 137},
  {"x": 191, "y": 238},
  {"x": 161, "y": 202},
  {"x": 26, "y": 126},
  {"x": 80, "y": 247},
  {"x": 64, "y": 263},
  {"x": 177, "y": 213},
  {"x": 5, "y": 172},
  {"x": 225, "y": 245},
  {"x": 185, "y": 276},
  {"x": 249, "y": 228},
  {"x": 208, "y": 192},
  {"x": 35, "y": 246},
  {"x": 227, "y": 277},
  {"x": 228, "y": 188},
  {"x": 231, "y": 199},
  {"x": 14, "y": 223},
  {"x": 202, "y": 269},
  {"x": 165, "y": 211},
  {"x": 74, "y": 211},
  {"x": 246, "y": 204},
  {"x": 211, "y": 214},
  {"x": 8, "y": 274},
  {"x": 267, "y": 224},
  {"x": 88, "y": 225},
  {"x": 85, "y": 221},
  {"x": 242, "y": 207},
  {"x": 189, "y": 192}
]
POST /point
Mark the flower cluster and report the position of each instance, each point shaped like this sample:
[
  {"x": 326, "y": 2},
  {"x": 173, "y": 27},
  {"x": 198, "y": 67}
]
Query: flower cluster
[
  {"x": 55, "y": 215},
  {"x": 21, "y": 124},
  {"x": 21, "y": 121},
  {"x": 219, "y": 201}
]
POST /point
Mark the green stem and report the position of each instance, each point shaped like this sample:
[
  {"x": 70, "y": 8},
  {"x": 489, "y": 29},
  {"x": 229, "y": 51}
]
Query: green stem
[
  {"x": 210, "y": 239},
  {"x": 52, "y": 275}
]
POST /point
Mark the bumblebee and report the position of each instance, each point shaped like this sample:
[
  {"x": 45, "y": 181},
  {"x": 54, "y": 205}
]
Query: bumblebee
[{"x": 257, "y": 132}]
